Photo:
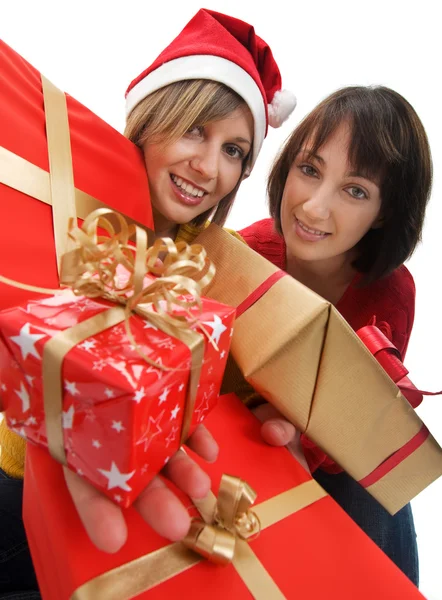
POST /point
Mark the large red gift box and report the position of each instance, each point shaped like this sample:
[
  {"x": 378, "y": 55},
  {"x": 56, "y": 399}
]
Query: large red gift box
[
  {"x": 108, "y": 170},
  {"x": 314, "y": 552},
  {"x": 122, "y": 417}
]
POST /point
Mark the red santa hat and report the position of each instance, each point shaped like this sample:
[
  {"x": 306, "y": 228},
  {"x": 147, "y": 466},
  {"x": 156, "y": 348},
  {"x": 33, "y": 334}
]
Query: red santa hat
[{"x": 220, "y": 48}]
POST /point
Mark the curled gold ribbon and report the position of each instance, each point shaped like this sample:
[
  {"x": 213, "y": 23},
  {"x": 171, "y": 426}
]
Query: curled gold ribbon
[
  {"x": 215, "y": 537},
  {"x": 91, "y": 269}
]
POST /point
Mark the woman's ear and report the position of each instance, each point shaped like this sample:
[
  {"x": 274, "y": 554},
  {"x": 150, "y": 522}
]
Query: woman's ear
[{"x": 246, "y": 173}]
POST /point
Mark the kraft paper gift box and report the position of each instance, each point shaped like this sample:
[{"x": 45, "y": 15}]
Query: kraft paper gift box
[
  {"x": 307, "y": 547},
  {"x": 297, "y": 351}
]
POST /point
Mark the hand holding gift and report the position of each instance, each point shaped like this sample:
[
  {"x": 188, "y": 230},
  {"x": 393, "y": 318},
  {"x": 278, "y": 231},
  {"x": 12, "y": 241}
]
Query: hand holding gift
[
  {"x": 104, "y": 521},
  {"x": 76, "y": 424}
]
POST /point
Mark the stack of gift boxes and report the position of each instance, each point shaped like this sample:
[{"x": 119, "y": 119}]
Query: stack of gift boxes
[{"x": 112, "y": 393}]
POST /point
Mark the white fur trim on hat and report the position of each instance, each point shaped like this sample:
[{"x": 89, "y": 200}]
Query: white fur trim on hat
[
  {"x": 282, "y": 106},
  {"x": 214, "y": 68}
]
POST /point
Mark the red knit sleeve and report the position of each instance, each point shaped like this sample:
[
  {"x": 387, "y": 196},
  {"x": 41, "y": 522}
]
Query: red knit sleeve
[{"x": 397, "y": 309}]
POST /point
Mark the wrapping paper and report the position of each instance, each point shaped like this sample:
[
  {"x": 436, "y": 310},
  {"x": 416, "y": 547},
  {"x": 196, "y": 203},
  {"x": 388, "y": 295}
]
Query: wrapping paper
[
  {"x": 315, "y": 552},
  {"x": 53, "y": 164},
  {"x": 296, "y": 351},
  {"x": 122, "y": 418}
]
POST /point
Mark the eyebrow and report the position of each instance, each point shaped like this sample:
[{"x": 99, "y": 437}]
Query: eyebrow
[
  {"x": 362, "y": 176},
  {"x": 312, "y": 155},
  {"x": 349, "y": 174},
  {"x": 242, "y": 140}
]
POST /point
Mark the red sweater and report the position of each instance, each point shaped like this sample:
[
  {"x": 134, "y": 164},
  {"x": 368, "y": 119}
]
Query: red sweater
[{"x": 391, "y": 300}]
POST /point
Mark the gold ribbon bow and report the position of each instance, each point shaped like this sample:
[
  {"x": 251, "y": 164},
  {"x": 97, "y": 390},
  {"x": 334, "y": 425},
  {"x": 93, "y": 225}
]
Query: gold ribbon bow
[
  {"x": 91, "y": 269},
  {"x": 235, "y": 498},
  {"x": 215, "y": 538}
]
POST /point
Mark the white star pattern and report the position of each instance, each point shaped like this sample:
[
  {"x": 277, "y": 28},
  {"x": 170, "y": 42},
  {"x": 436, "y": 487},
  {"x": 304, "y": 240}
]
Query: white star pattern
[
  {"x": 217, "y": 326},
  {"x": 109, "y": 393},
  {"x": 210, "y": 370},
  {"x": 116, "y": 478},
  {"x": 222, "y": 355},
  {"x": 118, "y": 498},
  {"x": 96, "y": 443},
  {"x": 149, "y": 325},
  {"x": 71, "y": 388},
  {"x": 118, "y": 426},
  {"x": 146, "y": 439},
  {"x": 27, "y": 340},
  {"x": 181, "y": 387},
  {"x": 89, "y": 410},
  {"x": 144, "y": 468},
  {"x": 156, "y": 370},
  {"x": 99, "y": 365},
  {"x": 80, "y": 472},
  {"x": 51, "y": 321},
  {"x": 87, "y": 345},
  {"x": 13, "y": 422},
  {"x": 164, "y": 395},
  {"x": 172, "y": 436},
  {"x": 166, "y": 344},
  {"x": 4, "y": 388},
  {"x": 31, "y": 421},
  {"x": 68, "y": 417},
  {"x": 202, "y": 408},
  {"x": 59, "y": 299},
  {"x": 139, "y": 395},
  {"x": 174, "y": 412},
  {"x": 30, "y": 379},
  {"x": 22, "y": 393}
]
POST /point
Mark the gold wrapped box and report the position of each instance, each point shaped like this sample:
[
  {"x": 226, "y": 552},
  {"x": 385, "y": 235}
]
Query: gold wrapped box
[{"x": 297, "y": 351}]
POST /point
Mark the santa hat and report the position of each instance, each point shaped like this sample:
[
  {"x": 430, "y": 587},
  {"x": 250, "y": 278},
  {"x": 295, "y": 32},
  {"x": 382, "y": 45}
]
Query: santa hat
[{"x": 224, "y": 49}]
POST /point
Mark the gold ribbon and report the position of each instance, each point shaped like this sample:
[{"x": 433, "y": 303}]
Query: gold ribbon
[
  {"x": 91, "y": 269},
  {"x": 80, "y": 266},
  {"x": 144, "y": 573},
  {"x": 231, "y": 519},
  {"x": 55, "y": 188}
]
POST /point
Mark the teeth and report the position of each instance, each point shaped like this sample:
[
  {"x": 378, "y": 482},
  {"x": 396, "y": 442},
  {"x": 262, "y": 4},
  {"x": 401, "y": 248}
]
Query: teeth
[
  {"x": 187, "y": 187},
  {"x": 314, "y": 231}
]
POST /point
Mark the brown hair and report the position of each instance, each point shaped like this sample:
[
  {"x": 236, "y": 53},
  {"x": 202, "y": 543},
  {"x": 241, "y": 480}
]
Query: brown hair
[
  {"x": 389, "y": 144},
  {"x": 165, "y": 115}
]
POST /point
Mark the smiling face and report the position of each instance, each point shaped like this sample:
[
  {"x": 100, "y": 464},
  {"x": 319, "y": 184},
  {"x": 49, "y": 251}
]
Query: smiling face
[
  {"x": 327, "y": 207},
  {"x": 192, "y": 175}
]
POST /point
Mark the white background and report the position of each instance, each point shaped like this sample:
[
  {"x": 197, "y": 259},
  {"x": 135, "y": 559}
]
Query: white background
[{"x": 93, "y": 49}]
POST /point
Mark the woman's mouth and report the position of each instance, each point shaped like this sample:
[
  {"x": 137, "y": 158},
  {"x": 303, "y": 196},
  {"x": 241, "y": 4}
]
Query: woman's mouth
[
  {"x": 187, "y": 192},
  {"x": 307, "y": 233}
]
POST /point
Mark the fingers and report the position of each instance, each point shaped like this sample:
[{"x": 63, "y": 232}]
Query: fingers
[
  {"x": 102, "y": 519},
  {"x": 187, "y": 475},
  {"x": 162, "y": 510},
  {"x": 276, "y": 430},
  {"x": 159, "y": 506},
  {"x": 203, "y": 443}
]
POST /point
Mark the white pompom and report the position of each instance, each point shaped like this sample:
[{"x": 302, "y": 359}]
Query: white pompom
[{"x": 282, "y": 106}]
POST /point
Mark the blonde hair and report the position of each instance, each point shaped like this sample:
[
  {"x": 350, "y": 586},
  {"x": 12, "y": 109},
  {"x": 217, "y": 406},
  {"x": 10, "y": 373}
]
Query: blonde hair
[{"x": 165, "y": 115}]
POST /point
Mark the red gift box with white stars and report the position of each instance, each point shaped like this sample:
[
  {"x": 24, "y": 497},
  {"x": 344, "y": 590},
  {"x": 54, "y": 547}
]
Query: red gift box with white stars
[{"x": 121, "y": 416}]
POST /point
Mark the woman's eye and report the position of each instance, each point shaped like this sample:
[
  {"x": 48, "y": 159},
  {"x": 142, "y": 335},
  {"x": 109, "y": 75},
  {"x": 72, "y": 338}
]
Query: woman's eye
[
  {"x": 309, "y": 170},
  {"x": 357, "y": 192},
  {"x": 234, "y": 151}
]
